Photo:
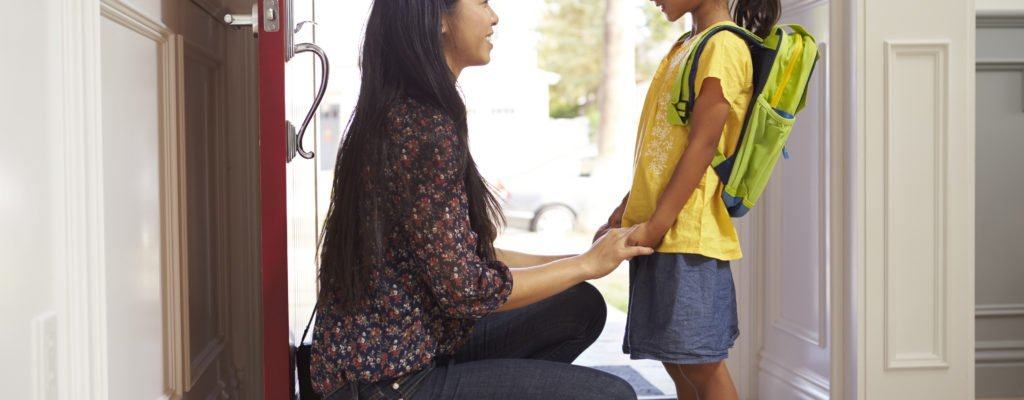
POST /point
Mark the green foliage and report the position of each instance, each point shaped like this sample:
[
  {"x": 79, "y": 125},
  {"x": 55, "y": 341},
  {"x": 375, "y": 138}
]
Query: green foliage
[
  {"x": 572, "y": 40},
  {"x": 572, "y": 46}
]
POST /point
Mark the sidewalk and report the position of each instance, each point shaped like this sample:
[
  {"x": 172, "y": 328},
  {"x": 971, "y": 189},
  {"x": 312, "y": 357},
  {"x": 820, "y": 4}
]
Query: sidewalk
[{"x": 606, "y": 354}]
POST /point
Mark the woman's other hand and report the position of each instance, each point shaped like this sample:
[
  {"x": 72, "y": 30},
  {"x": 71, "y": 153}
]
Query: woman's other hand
[{"x": 610, "y": 250}]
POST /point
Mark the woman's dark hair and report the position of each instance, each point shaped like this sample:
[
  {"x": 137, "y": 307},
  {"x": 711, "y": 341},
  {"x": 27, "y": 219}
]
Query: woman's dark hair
[
  {"x": 402, "y": 55},
  {"x": 758, "y": 16}
]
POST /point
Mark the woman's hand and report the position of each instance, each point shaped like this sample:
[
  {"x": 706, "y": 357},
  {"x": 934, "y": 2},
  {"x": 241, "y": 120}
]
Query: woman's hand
[
  {"x": 649, "y": 234},
  {"x": 611, "y": 250}
]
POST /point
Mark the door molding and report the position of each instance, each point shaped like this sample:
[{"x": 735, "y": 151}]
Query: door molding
[
  {"x": 804, "y": 381},
  {"x": 998, "y": 357},
  {"x": 845, "y": 362},
  {"x": 82, "y": 339},
  {"x": 81, "y": 295},
  {"x": 173, "y": 190}
]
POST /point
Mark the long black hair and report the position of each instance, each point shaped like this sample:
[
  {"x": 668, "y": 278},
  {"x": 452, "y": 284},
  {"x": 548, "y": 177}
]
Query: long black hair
[
  {"x": 758, "y": 16},
  {"x": 402, "y": 55}
]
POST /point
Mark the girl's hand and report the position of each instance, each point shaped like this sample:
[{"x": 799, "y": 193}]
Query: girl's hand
[
  {"x": 611, "y": 250},
  {"x": 614, "y": 220},
  {"x": 647, "y": 235},
  {"x": 601, "y": 232}
]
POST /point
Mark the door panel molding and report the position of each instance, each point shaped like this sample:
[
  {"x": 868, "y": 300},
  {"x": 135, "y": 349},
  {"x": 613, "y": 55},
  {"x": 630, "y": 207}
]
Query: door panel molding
[
  {"x": 172, "y": 185},
  {"x": 902, "y": 332},
  {"x": 912, "y": 199}
]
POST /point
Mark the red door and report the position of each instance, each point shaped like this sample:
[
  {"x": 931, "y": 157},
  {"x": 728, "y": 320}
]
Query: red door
[
  {"x": 274, "y": 245},
  {"x": 280, "y": 143}
]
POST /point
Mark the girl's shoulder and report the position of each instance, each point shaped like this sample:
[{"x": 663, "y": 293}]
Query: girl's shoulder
[{"x": 726, "y": 43}]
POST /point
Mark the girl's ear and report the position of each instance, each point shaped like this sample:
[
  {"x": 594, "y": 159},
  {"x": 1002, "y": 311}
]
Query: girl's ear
[{"x": 444, "y": 25}]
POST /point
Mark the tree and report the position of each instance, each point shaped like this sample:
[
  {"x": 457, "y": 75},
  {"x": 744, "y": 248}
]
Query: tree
[
  {"x": 572, "y": 45},
  {"x": 618, "y": 81}
]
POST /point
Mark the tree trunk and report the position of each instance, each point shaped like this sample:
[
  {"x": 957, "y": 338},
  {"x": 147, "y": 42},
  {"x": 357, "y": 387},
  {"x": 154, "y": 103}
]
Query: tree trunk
[{"x": 616, "y": 128}]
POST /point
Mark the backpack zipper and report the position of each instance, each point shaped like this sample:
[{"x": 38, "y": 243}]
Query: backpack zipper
[{"x": 793, "y": 59}]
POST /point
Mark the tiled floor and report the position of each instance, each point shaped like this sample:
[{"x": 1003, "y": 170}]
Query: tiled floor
[{"x": 607, "y": 351}]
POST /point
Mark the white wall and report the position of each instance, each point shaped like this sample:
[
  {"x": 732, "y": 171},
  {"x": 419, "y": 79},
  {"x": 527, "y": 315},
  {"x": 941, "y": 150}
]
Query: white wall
[{"x": 28, "y": 163}]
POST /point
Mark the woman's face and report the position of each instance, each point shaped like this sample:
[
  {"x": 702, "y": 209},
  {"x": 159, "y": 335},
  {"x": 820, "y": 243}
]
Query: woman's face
[
  {"x": 675, "y": 9},
  {"x": 467, "y": 33}
]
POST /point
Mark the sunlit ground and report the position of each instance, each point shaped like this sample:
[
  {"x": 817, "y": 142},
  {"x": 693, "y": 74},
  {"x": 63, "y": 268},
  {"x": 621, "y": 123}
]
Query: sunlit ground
[{"x": 614, "y": 287}]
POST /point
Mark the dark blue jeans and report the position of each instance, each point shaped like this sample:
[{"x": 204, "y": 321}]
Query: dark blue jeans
[{"x": 520, "y": 354}]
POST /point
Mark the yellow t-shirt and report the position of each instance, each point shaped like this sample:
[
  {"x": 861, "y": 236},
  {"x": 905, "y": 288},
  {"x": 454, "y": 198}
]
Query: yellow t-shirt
[{"x": 703, "y": 226}]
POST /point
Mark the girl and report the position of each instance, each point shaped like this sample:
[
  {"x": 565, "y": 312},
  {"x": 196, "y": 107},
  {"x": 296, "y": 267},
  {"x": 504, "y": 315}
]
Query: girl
[
  {"x": 409, "y": 276},
  {"x": 682, "y": 308}
]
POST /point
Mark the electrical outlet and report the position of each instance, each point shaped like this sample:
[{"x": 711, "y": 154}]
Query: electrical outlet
[{"x": 44, "y": 356}]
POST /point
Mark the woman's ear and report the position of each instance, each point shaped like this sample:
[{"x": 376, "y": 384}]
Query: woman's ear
[{"x": 444, "y": 25}]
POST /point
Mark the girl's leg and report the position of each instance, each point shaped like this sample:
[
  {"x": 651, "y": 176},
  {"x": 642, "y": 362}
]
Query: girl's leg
[
  {"x": 558, "y": 328},
  {"x": 702, "y": 381},
  {"x": 520, "y": 379}
]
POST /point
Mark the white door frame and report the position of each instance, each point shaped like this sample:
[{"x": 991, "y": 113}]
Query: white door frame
[
  {"x": 842, "y": 26},
  {"x": 849, "y": 224},
  {"x": 907, "y": 325}
]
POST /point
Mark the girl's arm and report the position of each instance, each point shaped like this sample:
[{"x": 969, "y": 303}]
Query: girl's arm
[
  {"x": 515, "y": 259},
  {"x": 709, "y": 115}
]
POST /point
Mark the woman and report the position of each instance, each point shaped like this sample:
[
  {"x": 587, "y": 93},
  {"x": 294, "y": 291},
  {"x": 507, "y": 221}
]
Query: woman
[{"x": 415, "y": 301}]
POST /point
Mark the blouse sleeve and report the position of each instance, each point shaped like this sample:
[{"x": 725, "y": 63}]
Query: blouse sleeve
[{"x": 438, "y": 223}]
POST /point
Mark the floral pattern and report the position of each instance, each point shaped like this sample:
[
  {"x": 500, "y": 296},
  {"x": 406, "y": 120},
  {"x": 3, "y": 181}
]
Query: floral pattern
[{"x": 430, "y": 286}]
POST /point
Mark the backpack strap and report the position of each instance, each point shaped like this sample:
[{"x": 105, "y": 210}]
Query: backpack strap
[{"x": 684, "y": 86}]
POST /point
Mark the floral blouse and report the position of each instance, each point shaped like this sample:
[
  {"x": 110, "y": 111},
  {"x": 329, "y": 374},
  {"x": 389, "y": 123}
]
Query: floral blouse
[{"x": 430, "y": 287}]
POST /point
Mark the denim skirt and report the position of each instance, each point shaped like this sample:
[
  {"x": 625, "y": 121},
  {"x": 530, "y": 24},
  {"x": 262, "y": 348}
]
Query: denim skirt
[{"x": 682, "y": 309}]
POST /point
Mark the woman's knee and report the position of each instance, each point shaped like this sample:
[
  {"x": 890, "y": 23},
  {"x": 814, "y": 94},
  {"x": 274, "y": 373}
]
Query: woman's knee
[
  {"x": 615, "y": 388},
  {"x": 588, "y": 305}
]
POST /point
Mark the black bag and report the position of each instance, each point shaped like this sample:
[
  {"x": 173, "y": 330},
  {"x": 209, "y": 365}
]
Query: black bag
[{"x": 300, "y": 361}]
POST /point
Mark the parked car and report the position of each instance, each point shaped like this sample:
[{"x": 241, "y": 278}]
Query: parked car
[{"x": 548, "y": 205}]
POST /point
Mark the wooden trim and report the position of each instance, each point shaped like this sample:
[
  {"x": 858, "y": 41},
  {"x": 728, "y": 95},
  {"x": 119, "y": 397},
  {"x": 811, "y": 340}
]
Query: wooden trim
[
  {"x": 803, "y": 380},
  {"x": 799, "y": 6},
  {"x": 846, "y": 365},
  {"x": 998, "y": 310},
  {"x": 1000, "y": 18},
  {"x": 81, "y": 289},
  {"x": 940, "y": 51},
  {"x": 1000, "y": 352},
  {"x": 173, "y": 193}
]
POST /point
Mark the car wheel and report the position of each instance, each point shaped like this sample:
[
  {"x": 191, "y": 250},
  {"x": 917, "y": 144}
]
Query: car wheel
[{"x": 558, "y": 219}]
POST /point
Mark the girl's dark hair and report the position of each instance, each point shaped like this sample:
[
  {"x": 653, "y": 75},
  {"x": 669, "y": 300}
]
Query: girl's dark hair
[
  {"x": 402, "y": 56},
  {"x": 758, "y": 16}
]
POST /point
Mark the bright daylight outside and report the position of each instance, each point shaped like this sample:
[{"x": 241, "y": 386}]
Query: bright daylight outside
[{"x": 556, "y": 150}]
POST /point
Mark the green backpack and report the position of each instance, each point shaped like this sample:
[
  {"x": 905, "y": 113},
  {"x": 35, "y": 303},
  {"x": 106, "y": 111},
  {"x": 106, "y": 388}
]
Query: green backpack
[{"x": 782, "y": 64}]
